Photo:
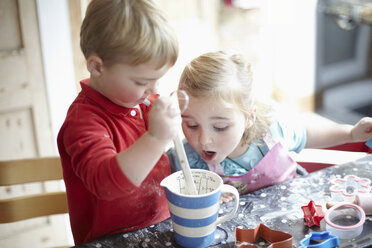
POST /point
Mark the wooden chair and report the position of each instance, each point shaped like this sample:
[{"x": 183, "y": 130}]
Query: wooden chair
[
  {"x": 349, "y": 147},
  {"x": 36, "y": 205}
]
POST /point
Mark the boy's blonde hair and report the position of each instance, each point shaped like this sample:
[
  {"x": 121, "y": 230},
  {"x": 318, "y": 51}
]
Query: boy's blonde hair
[
  {"x": 228, "y": 79},
  {"x": 132, "y": 32}
]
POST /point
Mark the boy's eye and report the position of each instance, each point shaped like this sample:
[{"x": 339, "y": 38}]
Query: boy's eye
[{"x": 141, "y": 83}]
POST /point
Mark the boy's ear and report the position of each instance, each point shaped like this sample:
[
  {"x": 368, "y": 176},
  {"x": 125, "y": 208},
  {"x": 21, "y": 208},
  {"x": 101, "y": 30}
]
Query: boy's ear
[{"x": 94, "y": 65}]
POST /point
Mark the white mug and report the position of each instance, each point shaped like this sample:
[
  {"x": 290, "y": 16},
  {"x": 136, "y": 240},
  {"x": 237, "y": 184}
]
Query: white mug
[{"x": 195, "y": 217}]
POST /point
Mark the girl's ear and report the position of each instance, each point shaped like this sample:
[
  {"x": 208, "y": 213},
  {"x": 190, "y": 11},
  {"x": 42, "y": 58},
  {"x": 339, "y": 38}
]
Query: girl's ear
[
  {"x": 94, "y": 65},
  {"x": 251, "y": 118}
]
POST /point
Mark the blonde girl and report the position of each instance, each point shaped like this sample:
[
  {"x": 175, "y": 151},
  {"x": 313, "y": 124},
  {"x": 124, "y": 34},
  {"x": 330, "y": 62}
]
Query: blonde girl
[{"x": 231, "y": 133}]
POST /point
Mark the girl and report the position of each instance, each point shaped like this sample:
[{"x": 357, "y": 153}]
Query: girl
[{"x": 229, "y": 132}]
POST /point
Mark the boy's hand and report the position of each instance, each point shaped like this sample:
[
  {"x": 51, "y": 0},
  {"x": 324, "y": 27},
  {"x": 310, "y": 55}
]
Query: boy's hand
[
  {"x": 164, "y": 118},
  {"x": 362, "y": 131}
]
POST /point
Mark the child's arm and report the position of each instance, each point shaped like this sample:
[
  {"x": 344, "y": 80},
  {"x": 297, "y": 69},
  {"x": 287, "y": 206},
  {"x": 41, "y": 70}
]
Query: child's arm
[
  {"x": 331, "y": 134},
  {"x": 138, "y": 160}
]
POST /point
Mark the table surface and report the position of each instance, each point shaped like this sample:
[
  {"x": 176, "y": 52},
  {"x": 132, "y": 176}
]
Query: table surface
[{"x": 278, "y": 207}]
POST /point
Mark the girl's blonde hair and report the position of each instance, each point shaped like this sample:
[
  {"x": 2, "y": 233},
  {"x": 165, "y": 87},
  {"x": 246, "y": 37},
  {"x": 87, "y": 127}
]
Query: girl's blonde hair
[
  {"x": 228, "y": 79},
  {"x": 128, "y": 31}
]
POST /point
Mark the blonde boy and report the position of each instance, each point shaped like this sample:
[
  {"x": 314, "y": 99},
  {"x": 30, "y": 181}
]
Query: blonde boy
[{"x": 113, "y": 139}]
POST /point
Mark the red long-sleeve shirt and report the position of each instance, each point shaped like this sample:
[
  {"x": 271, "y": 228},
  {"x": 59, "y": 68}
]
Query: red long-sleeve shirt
[{"x": 101, "y": 199}]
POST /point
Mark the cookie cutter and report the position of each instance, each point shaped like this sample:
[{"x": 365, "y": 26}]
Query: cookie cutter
[
  {"x": 340, "y": 220},
  {"x": 313, "y": 214},
  {"x": 345, "y": 189},
  {"x": 328, "y": 240},
  {"x": 245, "y": 238}
]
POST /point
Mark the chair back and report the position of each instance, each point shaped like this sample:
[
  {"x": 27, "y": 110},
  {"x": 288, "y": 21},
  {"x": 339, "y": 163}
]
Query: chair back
[{"x": 36, "y": 205}]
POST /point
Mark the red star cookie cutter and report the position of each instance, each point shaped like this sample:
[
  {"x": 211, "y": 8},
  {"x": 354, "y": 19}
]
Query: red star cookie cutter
[
  {"x": 313, "y": 214},
  {"x": 245, "y": 238}
]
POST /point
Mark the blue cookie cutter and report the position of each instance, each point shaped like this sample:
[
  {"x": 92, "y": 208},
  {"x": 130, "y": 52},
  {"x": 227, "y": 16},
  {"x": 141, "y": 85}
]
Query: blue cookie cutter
[{"x": 328, "y": 240}]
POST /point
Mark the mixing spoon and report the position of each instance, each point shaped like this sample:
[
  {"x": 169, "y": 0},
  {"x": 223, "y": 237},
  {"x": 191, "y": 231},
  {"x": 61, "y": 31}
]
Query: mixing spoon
[{"x": 183, "y": 101}]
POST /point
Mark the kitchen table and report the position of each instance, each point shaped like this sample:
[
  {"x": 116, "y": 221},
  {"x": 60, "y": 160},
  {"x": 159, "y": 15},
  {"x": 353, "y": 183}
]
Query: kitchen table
[{"x": 277, "y": 206}]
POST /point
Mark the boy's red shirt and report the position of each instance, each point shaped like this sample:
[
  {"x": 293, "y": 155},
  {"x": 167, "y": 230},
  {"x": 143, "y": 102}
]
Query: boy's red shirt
[{"x": 101, "y": 199}]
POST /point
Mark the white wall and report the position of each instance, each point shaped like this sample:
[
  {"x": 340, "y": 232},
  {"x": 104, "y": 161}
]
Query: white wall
[
  {"x": 57, "y": 57},
  {"x": 289, "y": 34}
]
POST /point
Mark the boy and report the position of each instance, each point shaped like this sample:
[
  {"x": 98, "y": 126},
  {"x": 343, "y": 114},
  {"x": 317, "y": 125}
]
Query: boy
[{"x": 115, "y": 133}]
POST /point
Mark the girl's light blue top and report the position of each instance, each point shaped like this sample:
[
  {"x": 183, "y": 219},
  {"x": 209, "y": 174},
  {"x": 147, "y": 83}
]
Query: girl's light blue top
[{"x": 292, "y": 137}]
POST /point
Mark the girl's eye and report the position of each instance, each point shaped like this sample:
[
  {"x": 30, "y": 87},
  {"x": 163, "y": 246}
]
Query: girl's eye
[
  {"x": 221, "y": 129},
  {"x": 192, "y": 126}
]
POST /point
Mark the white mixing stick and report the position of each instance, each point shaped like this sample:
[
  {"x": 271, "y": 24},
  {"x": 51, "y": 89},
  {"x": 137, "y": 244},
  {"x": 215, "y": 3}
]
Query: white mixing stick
[{"x": 181, "y": 154}]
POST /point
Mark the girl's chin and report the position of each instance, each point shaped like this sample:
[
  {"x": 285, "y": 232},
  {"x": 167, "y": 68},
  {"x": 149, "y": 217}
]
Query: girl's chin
[{"x": 208, "y": 158}]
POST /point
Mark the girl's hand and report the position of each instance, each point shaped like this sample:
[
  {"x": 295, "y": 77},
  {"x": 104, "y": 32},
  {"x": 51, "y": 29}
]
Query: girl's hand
[
  {"x": 362, "y": 131},
  {"x": 226, "y": 197},
  {"x": 164, "y": 118}
]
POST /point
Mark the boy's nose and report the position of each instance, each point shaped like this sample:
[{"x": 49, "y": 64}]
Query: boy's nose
[{"x": 152, "y": 89}]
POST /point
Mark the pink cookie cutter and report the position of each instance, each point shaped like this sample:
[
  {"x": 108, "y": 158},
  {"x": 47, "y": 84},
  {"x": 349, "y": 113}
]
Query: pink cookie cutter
[
  {"x": 346, "y": 211},
  {"x": 345, "y": 189}
]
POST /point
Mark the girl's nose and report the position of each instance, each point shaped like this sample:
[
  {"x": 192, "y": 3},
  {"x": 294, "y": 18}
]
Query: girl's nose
[{"x": 204, "y": 138}]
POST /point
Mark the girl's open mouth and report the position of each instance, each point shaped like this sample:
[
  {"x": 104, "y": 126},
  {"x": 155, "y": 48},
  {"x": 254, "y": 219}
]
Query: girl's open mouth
[{"x": 208, "y": 155}]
